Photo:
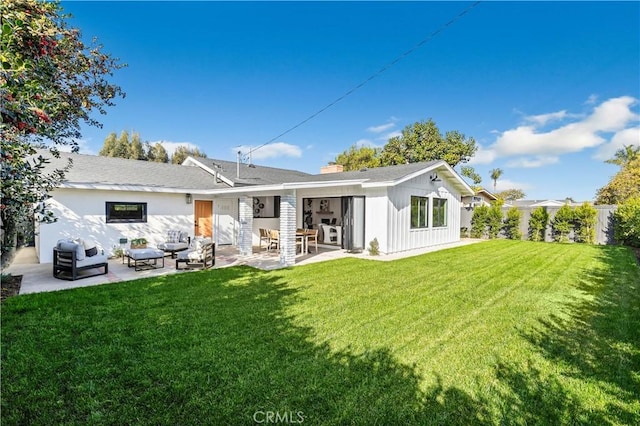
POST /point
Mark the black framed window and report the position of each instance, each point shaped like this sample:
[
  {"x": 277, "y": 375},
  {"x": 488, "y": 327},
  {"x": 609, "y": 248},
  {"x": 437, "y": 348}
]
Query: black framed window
[
  {"x": 123, "y": 212},
  {"x": 419, "y": 207},
  {"x": 439, "y": 212}
]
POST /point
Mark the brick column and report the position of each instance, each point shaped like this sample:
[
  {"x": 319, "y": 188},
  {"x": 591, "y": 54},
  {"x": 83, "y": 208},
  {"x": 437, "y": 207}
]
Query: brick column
[
  {"x": 245, "y": 217},
  {"x": 288, "y": 229}
]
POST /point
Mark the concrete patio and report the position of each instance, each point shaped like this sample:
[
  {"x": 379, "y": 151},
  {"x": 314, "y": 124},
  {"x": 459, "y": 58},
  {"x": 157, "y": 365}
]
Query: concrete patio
[{"x": 39, "y": 277}]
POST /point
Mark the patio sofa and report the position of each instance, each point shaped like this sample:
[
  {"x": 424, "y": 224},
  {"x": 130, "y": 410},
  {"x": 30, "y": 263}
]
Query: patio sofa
[
  {"x": 71, "y": 256},
  {"x": 176, "y": 241},
  {"x": 201, "y": 254}
]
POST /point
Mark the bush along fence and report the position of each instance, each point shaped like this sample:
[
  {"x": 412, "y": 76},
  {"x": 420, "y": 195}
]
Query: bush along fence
[{"x": 585, "y": 223}]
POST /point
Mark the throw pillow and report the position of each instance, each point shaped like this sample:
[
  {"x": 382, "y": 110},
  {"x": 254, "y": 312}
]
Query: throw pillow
[
  {"x": 91, "y": 252},
  {"x": 173, "y": 236}
]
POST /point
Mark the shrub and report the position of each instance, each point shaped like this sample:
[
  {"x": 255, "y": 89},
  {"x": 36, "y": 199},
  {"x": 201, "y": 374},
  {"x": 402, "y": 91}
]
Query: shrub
[
  {"x": 374, "y": 247},
  {"x": 512, "y": 224},
  {"x": 479, "y": 221},
  {"x": 538, "y": 224},
  {"x": 627, "y": 222},
  {"x": 563, "y": 224},
  {"x": 585, "y": 220},
  {"x": 494, "y": 219}
]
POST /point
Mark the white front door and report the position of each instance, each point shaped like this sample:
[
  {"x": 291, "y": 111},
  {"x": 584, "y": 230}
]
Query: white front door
[{"x": 225, "y": 212}]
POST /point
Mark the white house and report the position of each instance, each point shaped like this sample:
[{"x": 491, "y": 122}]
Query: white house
[{"x": 112, "y": 200}]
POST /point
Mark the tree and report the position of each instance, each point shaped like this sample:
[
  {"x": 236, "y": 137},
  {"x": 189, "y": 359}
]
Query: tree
[
  {"x": 121, "y": 147},
  {"x": 563, "y": 223},
  {"x": 538, "y": 224},
  {"x": 624, "y": 185},
  {"x": 422, "y": 141},
  {"x": 479, "y": 221},
  {"x": 494, "y": 219},
  {"x": 512, "y": 224},
  {"x": 627, "y": 222},
  {"x": 470, "y": 172},
  {"x": 585, "y": 222},
  {"x": 358, "y": 158},
  {"x": 182, "y": 152},
  {"x": 511, "y": 194},
  {"x": 50, "y": 82},
  {"x": 624, "y": 155},
  {"x": 136, "y": 149},
  {"x": 495, "y": 175},
  {"x": 108, "y": 145},
  {"x": 157, "y": 153}
]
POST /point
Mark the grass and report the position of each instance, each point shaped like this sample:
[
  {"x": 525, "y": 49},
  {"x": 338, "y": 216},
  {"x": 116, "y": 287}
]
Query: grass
[{"x": 501, "y": 332}]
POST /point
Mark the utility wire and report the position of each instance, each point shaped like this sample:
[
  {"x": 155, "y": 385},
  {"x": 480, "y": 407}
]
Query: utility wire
[{"x": 380, "y": 71}]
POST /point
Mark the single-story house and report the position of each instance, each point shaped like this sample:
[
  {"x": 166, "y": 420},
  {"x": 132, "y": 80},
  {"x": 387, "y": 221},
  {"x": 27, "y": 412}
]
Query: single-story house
[
  {"x": 113, "y": 200},
  {"x": 482, "y": 197}
]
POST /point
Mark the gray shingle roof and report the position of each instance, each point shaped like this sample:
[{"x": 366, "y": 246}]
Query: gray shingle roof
[
  {"x": 92, "y": 169},
  {"x": 254, "y": 174}
]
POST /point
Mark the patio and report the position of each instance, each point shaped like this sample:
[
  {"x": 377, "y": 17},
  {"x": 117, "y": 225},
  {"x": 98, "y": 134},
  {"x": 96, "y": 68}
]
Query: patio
[{"x": 38, "y": 277}]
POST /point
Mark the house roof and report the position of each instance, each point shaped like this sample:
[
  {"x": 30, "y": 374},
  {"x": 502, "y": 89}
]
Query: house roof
[
  {"x": 93, "y": 171},
  {"x": 204, "y": 175},
  {"x": 248, "y": 174},
  {"x": 487, "y": 194},
  {"x": 541, "y": 203}
]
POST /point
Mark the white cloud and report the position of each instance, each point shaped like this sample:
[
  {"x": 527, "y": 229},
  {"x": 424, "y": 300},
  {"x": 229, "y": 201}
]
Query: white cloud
[
  {"x": 543, "y": 119},
  {"x": 171, "y": 147},
  {"x": 504, "y": 184},
  {"x": 482, "y": 156},
  {"x": 611, "y": 116},
  {"x": 397, "y": 133},
  {"x": 83, "y": 144},
  {"x": 364, "y": 142},
  {"x": 272, "y": 150},
  {"x": 383, "y": 127},
  {"x": 528, "y": 163},
  {"x": 630, "y": 136},
  {"x": 592, "y": 99}
]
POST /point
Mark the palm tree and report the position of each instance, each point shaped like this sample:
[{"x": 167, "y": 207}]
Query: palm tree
[
  {"x": 624, "y": 155},
  {"x": 495, "y": 175}
]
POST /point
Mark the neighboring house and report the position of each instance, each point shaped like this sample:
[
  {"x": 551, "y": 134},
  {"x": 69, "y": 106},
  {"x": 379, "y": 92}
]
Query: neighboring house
[
  {"x": 482, "y": 197},
  {"x": 541, "y": 203},
  {"x": 110, "y": 199}
]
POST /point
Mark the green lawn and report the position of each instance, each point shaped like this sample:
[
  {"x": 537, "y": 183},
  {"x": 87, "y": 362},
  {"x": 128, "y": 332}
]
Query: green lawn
[{"x": 500, "y": 332}]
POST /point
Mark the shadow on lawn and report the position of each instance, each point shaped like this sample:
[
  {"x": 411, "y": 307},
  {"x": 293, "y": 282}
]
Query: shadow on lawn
[
  {"x": 597, "y": 338},
  {"x": 215, "y": 347}
]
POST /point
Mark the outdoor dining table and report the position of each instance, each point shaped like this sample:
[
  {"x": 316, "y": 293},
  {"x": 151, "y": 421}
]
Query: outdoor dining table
[{"x": 303, "y": 235}]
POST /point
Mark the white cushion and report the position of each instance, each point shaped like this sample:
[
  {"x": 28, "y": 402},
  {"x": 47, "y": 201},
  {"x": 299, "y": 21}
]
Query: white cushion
[
  {"x": 72, "y": 245},
  {"x": 93, "y": 260}
]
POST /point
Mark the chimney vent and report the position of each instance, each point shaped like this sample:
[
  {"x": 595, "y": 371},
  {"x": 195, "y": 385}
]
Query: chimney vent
[{"x": 331, "y": 168}]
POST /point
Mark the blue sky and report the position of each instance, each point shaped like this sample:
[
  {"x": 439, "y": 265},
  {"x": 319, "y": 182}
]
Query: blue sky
[{"x": 548, "y": 89}]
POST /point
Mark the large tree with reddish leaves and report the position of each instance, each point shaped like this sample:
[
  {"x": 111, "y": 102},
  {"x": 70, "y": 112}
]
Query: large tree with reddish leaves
[{"x": 50, "y": 83}]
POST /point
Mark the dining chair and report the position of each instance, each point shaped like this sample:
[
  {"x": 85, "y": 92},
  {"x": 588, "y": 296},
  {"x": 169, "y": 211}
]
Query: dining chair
[
  {"x": 265, "y": 236},
  {"x": 274, "y": 239},
  {"x": 312, "y": 237}
]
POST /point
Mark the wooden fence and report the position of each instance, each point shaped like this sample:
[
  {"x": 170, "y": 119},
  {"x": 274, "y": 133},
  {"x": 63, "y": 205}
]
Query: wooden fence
[{"x": 604, "y": 222}]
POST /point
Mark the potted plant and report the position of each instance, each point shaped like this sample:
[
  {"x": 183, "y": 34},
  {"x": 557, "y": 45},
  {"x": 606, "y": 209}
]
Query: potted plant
[{"x": 138, "y": 243}]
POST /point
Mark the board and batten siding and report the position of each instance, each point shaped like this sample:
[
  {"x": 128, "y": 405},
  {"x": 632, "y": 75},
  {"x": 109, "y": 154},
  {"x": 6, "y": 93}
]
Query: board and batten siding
[{"x": 401, "y": 237}]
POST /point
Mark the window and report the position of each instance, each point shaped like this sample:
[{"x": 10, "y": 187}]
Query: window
[
  {"x": 126, "y": 212},
  {"x": 439, "y": 212},
  {"x": 419, "y": 212},
  {"x": 266, "y": 207}
]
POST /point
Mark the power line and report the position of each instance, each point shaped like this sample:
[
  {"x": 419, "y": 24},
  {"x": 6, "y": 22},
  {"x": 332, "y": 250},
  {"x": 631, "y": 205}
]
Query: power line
[{"x": 373, "y": 76}]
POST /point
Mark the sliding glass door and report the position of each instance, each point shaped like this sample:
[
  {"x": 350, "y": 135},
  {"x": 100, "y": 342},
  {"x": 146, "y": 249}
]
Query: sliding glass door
[{"x": 353, "y": 223}]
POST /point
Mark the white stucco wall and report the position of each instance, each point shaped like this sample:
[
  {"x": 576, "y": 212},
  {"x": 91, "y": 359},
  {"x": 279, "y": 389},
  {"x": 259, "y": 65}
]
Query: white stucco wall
[{"x": 81, "y": 213}]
